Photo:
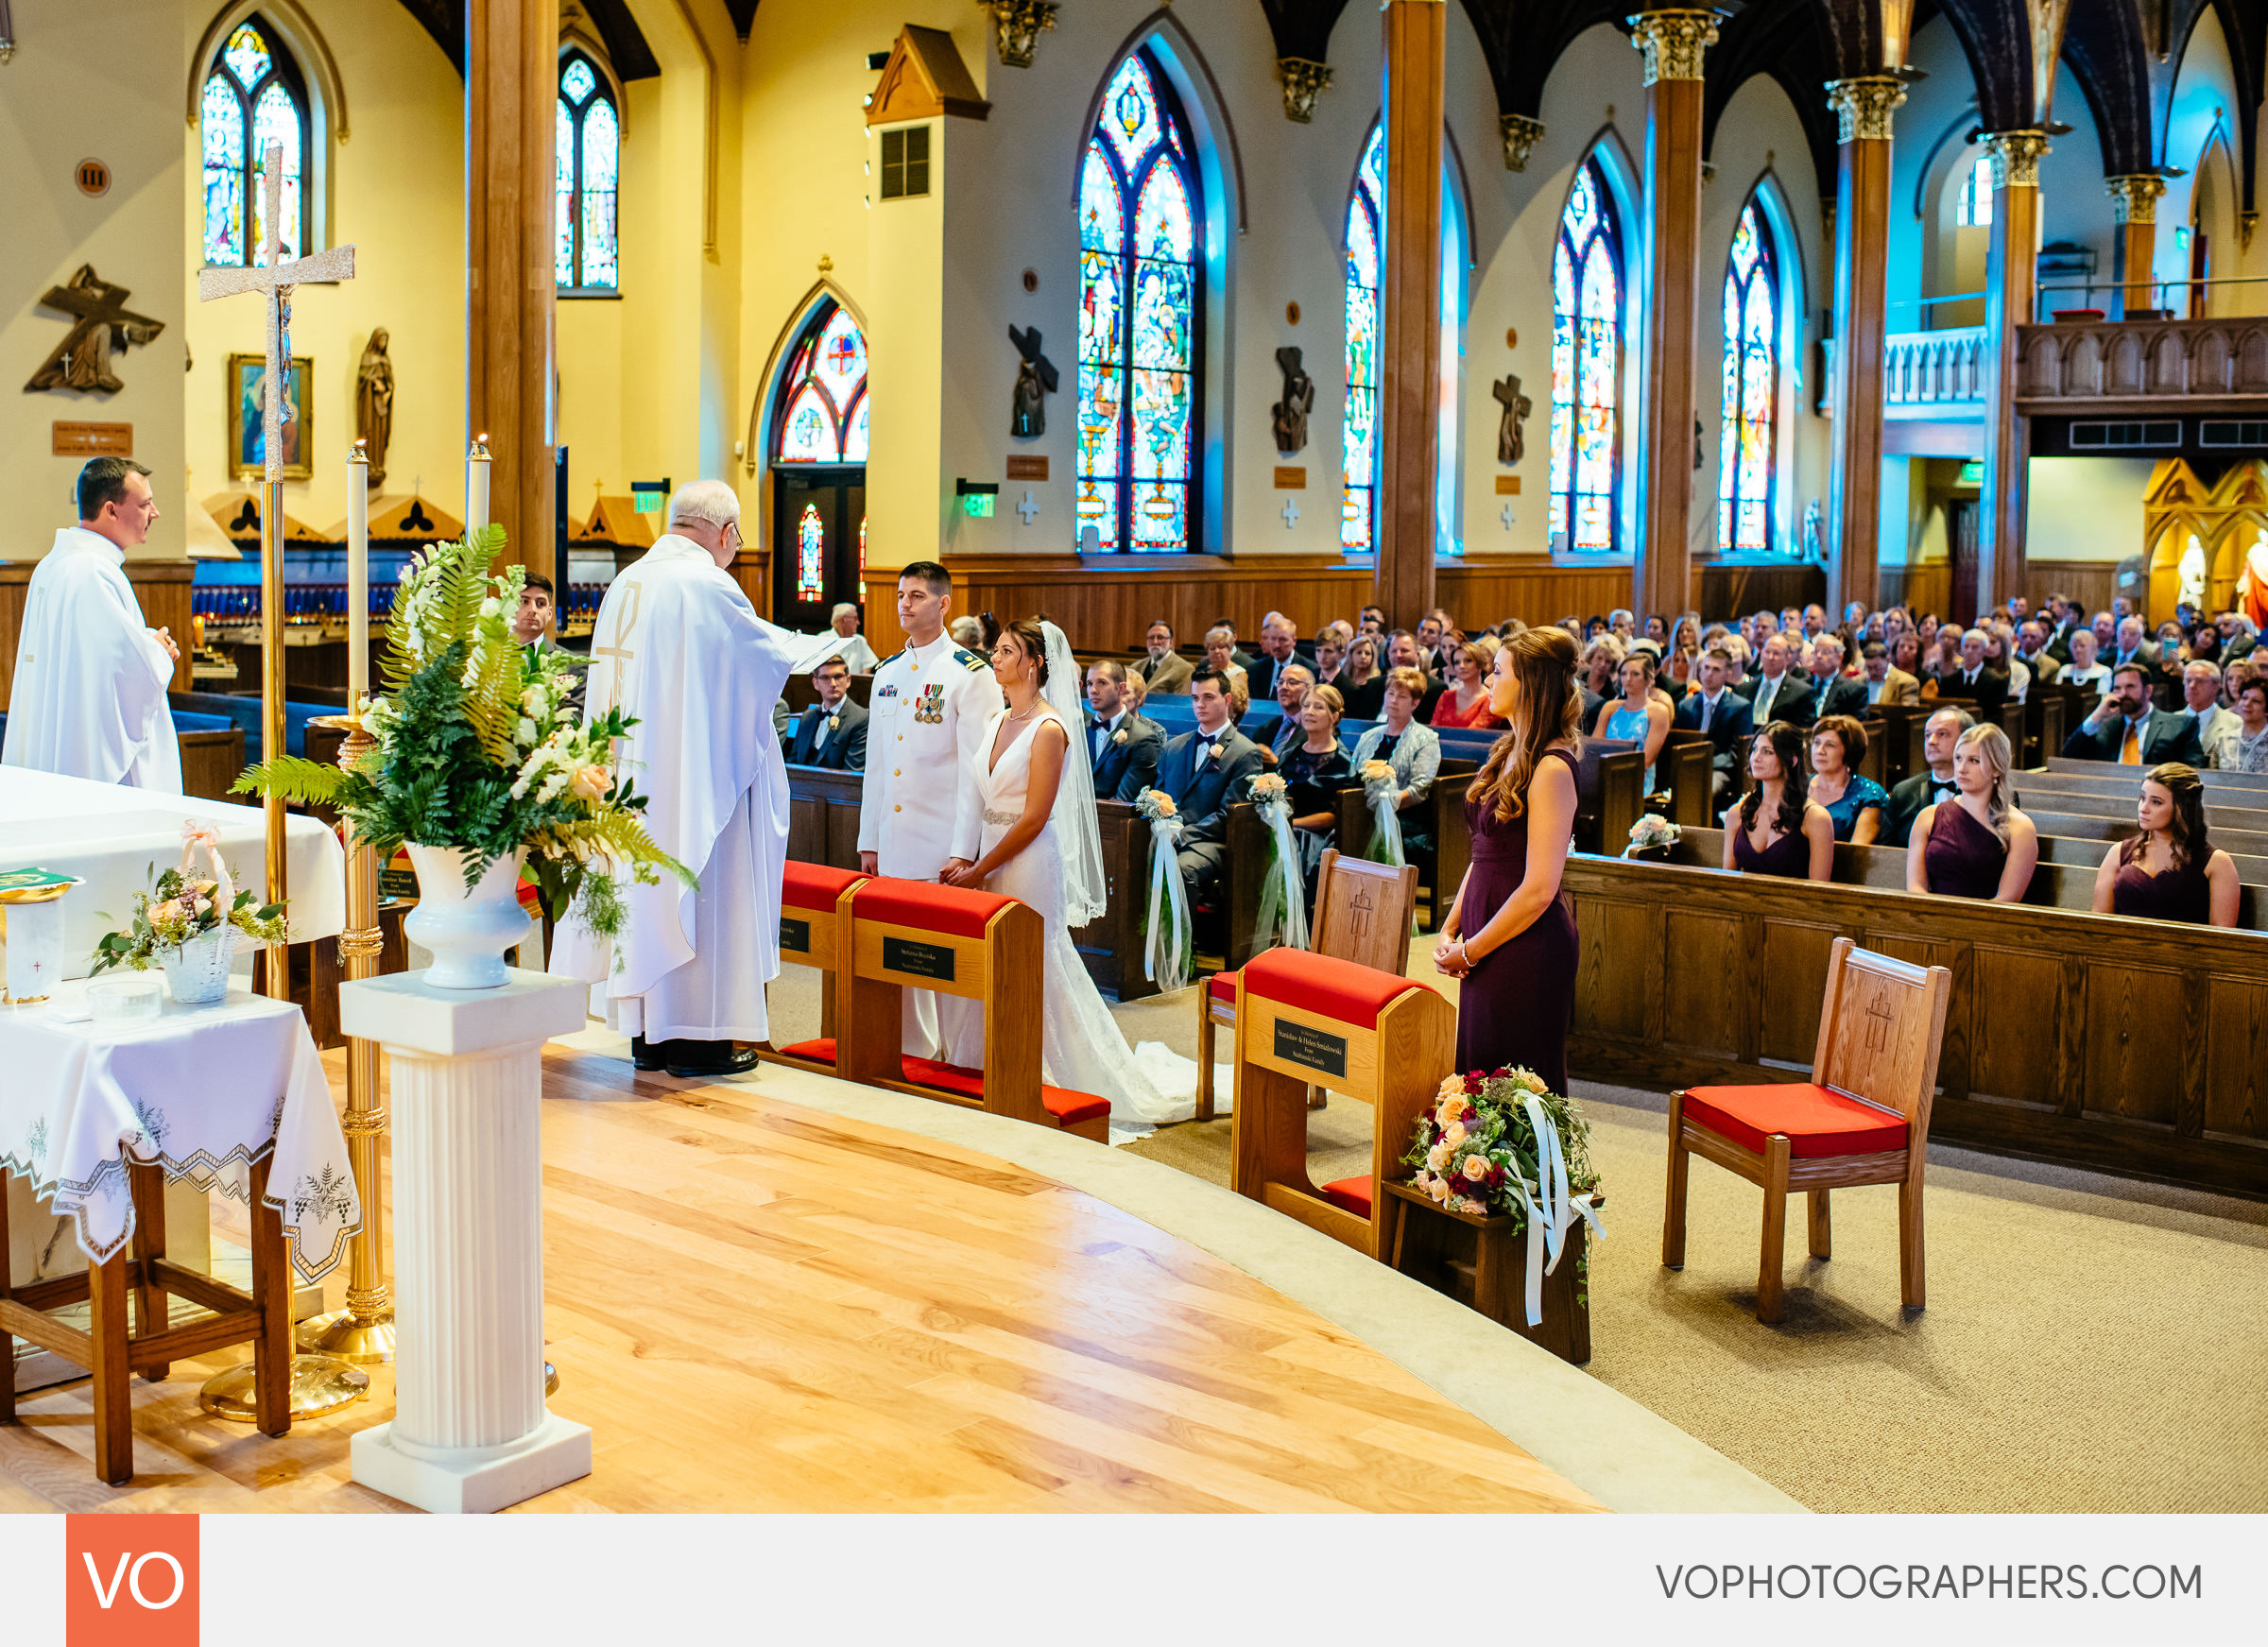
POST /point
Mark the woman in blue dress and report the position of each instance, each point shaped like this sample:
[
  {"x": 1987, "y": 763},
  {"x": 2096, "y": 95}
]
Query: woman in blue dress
[
  {"x": 1854, "y": 801},
  {"x": 1639, "y": 716}
]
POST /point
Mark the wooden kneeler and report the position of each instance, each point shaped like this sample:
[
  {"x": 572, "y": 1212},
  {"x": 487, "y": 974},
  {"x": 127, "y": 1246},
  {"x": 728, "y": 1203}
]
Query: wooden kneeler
[
  {"x": 979, "y": 946},
  {"x": 1376, "y": 1036},
  {"x": 814, "y": 931}
]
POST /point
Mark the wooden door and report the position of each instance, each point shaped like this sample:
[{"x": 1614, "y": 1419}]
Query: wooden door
[{"x": 818, "y": 543}]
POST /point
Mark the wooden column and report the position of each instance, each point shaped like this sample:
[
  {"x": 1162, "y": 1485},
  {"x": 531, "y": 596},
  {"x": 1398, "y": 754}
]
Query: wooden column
[
  {"x": 510, "y": 92},
  {"x": 1861, "y": 218},
  {"x": 1674, "y": 42},
  {"x": 1410, "y": 329},
  {"x": 2011, "y": 287},
  {"x": 2134, "y": 203}
]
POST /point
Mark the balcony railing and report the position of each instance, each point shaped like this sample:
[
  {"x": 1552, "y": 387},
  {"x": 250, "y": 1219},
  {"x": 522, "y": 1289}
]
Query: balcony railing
[
  {"x": 2139, "y": 365},
  {"x": 1939, "y": 370}
]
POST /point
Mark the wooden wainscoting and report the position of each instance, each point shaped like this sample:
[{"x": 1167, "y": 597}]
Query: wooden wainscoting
[
  {"x": 161, "y": 585},
  {"x": 1924, "y": 588},
  {"x": 1728, "y": 592},
  {"x": 752, "y": 571},
  {"x": 1105, "y": 603},
  {"x": 1482, "y": 590},
  {"x": 1929, "y": 587},
  {"x": 2120, "y": 1045}
]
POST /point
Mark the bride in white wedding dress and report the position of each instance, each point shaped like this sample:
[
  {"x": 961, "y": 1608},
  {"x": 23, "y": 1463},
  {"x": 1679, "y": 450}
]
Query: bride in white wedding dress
[{"x": 1042, "y": 844}]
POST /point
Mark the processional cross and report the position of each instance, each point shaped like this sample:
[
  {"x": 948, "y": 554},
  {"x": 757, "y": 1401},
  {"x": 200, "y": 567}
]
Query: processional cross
[{"x": 276, "y": 279}]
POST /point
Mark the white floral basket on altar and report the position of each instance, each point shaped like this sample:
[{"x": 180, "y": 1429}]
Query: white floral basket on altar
[{"x": 188, "y": 924}]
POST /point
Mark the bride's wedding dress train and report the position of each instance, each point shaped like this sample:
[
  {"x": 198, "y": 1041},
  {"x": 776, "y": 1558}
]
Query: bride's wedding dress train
[{"x": 1080, "y": 1044}]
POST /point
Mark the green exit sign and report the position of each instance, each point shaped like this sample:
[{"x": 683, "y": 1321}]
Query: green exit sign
[
  {"x": 648, "y": 495},
  {"x": 1972, "y": 472}
]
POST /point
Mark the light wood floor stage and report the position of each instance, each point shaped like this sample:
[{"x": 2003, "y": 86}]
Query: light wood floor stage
[{"x": 759, "y": 1305}]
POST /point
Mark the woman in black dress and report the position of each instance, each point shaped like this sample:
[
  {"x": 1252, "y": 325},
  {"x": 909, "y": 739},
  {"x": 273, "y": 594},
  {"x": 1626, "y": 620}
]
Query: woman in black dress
[
  {"x": 1510, "y": 935},
  {"x": 1975, "y": 845},
  {"x": 1778, "y": 828},
  {"x": 2171, "y": 871}
]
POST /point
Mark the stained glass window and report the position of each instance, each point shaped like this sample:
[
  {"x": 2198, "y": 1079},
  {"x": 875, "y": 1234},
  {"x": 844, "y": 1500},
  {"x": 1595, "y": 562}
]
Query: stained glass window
[
  {"x": 252, "y": 100},
  {"x": 1974, "y": 208},
  {"x": 1586, "y": 349},
  {"x": 1751, "y": 401},
  {"x": 1141, "y": 247},
  {"x": 1366, "y": 223},
  {"x": 811, "y": 555},
  {"x": 824, "y": 393},
  {"x": 586, "y": 166}
]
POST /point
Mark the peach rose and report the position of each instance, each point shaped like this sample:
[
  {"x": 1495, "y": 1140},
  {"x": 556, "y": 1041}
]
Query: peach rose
[
  {"x": 1453, "y": 1134},
  {"x": 1475, "y": 1169},
  {"x": 591, "y": 782}
]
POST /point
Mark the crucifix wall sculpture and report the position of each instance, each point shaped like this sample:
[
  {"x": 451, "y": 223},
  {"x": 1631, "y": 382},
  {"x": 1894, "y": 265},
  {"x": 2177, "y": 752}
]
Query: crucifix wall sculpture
[{"x": 82, "y": 359}]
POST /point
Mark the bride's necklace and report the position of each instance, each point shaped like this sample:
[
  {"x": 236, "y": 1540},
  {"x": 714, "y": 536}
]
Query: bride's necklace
[{"x": 1024, "y": 714}]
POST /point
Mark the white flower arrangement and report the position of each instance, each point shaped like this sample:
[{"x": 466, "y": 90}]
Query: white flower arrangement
[{"x": 1651, "y": 833}]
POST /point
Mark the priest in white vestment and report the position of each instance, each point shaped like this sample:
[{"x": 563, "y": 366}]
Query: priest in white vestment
[
  {"x": 89, "y": 696},
  {"x": 678, "y": 647}
]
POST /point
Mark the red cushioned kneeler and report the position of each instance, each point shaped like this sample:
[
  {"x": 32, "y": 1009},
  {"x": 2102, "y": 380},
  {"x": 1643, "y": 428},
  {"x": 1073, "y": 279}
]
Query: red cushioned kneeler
[
  {"x": 1819, "y": 1123},
  {"x": 814, "y": 886},
  {"x": 813, "y": 898},
  {"x": 927, "y": 905},
  {"x": 1323, "y": 985},
  {"x": 1353, "y": 1194}
]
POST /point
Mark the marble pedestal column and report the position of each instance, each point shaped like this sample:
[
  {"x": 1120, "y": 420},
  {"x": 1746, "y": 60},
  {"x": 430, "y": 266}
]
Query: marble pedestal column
[{"x": 471, "y": 1432}]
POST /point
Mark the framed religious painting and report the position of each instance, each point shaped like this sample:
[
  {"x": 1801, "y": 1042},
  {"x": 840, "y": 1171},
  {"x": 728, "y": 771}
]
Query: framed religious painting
[{"x": 247, "y": 389}]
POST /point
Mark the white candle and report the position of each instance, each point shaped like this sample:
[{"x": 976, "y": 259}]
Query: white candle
[
  {"x": 358, "y": 576},
  {"x": 476, "y": 484}
]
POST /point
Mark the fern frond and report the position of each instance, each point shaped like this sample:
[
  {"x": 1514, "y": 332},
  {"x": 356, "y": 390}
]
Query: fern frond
[
  {"x": 621, "y": 836},
  {"x": 294, "y": 778},
  {"x": 493, "y": 704}
]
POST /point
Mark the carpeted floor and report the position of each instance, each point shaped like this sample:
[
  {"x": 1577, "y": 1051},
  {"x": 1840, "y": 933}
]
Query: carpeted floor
[{"x": 2091, "y": 1345}]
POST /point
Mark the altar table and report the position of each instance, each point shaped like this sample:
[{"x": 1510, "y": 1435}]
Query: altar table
[{"x": 200, "y": 1092}]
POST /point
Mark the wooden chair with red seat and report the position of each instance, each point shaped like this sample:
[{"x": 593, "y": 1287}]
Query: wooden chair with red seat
[
  {"x": 1373, "y": 1035},
  {"x": 980, "y": 946},
  {"x": 814, "y": 931},
  {"x": 1864, "y": 1116},
  {"x": 1362, "y": 913}
]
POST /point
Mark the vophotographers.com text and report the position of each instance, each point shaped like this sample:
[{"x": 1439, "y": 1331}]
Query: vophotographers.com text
[{"x": 1886, "y": 1581}]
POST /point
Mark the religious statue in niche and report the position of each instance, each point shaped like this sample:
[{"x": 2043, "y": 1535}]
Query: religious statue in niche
[
  {"x": 1814, "y": 537},
  {"x": 103, "y": 323},
  {"x": 1511, "y": 430},
  {"x": 1035, "y": 379},
  {"x": 1298, "y": 399},
  {"x": 374, "y": 403}
]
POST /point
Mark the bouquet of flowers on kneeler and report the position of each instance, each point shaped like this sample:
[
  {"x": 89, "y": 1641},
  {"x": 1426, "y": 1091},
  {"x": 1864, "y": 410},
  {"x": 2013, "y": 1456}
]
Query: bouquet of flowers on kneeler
[
  {"x": 1283, "y": 883},
  {"x": 1500, "y": 1164},
  {"x": 1169, "y": 944},
  {"x": 1386, "y": 833}
]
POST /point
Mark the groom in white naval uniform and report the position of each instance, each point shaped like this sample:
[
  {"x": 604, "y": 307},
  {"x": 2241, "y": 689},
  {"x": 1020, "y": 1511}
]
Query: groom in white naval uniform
[{"x": 921, "y": 810}]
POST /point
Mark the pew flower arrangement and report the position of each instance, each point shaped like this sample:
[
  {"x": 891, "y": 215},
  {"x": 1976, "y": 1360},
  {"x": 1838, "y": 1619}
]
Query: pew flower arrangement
[
  {"x": 478, "y": 748},
  {"x": 1385, "y": 831},
  {"x": 1282, "y": 884},
  {"x": 1169, "y": 941},
  {"x": 1651, "y": 834}
]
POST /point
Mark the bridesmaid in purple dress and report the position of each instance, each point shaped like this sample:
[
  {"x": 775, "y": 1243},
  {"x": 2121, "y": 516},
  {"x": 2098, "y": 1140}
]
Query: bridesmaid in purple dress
[
  {"x": 2171, "y": 871},
  {"x": 1778, "y": 828},
  {"x": 1510, "y": 936},
  {"x": 1975, "y": 845}
]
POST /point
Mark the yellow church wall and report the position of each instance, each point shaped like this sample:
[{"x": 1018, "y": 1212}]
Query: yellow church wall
[
  {"x": 71, "y": 93},
  {"x": 397, "y": 196},
  {"x": 2085, "y": 508}
]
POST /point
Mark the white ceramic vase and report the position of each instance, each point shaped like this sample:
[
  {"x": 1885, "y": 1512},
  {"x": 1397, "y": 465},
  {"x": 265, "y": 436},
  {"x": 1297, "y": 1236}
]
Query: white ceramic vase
[
  {"x": 467, "y": 932},
  {"x": 197, "y": 973}
]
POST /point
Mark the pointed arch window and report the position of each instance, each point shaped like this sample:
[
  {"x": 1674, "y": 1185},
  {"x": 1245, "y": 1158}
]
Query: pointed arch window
[
  {"x": 253, "y": 99},
  {"x": 1973, "y": 210},
  {"x": 586, "y": 170},
  {"x": 1750, "y": 414},
  {"x": 823, "y": 395},
  {"x": 1586, "y": 360},
  {"x": 1141, "y": 252}
]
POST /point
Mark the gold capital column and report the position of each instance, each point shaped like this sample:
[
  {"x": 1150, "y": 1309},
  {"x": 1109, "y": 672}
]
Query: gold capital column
[
  {"x": 2134, "y": 204},
  {"x": 1673, "y": 42},
  {"x": 2011, "y": 289},
  {"x": 512, "y": 50},
  {"x": 1861, "y": 230},
  {"x": 1416, "y": 39}
]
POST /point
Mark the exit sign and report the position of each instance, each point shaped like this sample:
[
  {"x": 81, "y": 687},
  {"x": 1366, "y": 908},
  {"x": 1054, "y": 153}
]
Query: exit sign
[{"x": 1972, "y": 472}]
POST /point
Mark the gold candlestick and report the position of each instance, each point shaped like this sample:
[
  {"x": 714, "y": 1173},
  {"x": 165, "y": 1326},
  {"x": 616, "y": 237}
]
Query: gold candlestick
[{"x": 363, "y": 1333}]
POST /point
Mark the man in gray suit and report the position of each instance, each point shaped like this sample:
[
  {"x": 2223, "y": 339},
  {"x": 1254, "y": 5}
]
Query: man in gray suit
[{"x": 1164, "y": 670}]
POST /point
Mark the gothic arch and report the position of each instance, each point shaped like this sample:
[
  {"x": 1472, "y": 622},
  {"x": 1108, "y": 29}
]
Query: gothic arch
[
  {"x": 1201, "y": 99},
  {"x": 326, "y": 95}
]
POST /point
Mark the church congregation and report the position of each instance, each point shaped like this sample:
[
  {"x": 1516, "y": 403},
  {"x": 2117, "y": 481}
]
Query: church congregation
[{"x": 1272, "y": 661}]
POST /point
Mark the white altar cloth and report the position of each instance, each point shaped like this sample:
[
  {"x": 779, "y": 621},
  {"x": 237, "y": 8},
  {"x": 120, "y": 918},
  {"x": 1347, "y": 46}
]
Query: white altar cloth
[
  {"x": 202, "y": 1091},
  {"x": 110, "y": 834}
]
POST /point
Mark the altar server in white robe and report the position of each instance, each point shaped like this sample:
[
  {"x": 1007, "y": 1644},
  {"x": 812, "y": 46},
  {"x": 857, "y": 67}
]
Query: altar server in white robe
[
  {"x": 919, "y": 809},
  {"x": 89, "y": 699},
  {"x": 679, "y": 648}
]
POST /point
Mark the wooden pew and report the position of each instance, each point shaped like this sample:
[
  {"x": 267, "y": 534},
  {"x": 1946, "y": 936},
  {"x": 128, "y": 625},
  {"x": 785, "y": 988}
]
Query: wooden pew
[
  {"x": 2240, "y": 788},
  {"x": 1902, "y": 726},
  {"x": 1686, "y": 770},
  {"x": 2119, "y": 1045},
  {"x": 1111, "y": 946},
  {"x": 2085, "y": 852},
  {"x": 822, "y": 816},
  {"x": 1611, "y": 779},
  {"x": 2112, "y": 825},
  {"x": 2089, "y": 797},
  {"x": 210, "y": 762},
  {"x": 2047, "y": 722}
]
